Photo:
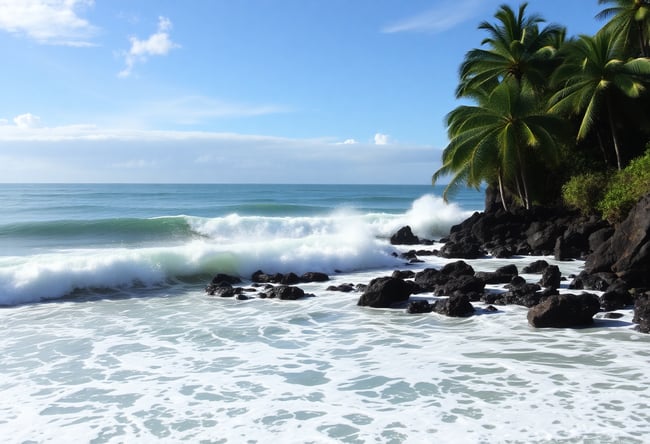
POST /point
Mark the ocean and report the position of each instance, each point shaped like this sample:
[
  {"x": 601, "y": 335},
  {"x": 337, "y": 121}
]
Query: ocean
[{"x": 109, "y": 337}]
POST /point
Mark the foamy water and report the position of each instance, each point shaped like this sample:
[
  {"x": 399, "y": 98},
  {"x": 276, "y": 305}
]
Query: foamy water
[
  {"x": 188, "y": 367},
  {"x": 108, "y": 336}
]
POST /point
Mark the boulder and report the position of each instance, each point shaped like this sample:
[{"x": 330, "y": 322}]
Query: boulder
[
  {"x": 314, "y": 276},
  {"x": 455, "y": 306},
  {"x": 551, "y": 277},
  {"x": 458, "y": 268},
  {"x": 615, "y": 299},
  {"x": 286, "y": 292},
  {"x": 564, "y": 310},
  {"x": 461, "y": 250},
  {"x": 535, "y": 267},
  {"x": 501, "y": 275},
  {"x": 429, "y": 278},
  {"x": 385, "y": 292},
  {"x": 404, "y": 236},
  {"x": 223, "y": 290},
  {"x": 461, "y": 284}
]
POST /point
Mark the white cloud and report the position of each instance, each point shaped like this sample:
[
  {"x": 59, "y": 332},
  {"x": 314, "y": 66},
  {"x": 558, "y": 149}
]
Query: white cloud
[
  {"x": 53, "y": 22},
  {"x": 381, "y": 139},
  {"x": 444, "y": 16},
  {"x": 157, "y": 44},
  {"x": 87, "y": 153},
  {"x": 348, "y": 142},
  {"x": 4, "y": 122},
  {"x": 27, "y": 120}
]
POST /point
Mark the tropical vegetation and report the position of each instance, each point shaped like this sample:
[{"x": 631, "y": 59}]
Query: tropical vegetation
[{"x": 553, "y": 117}]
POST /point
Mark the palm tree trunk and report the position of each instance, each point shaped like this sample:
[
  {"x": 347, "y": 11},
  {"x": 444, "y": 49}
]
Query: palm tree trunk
[
  {"x": 614, "y": 136},
  {"x": 526, "y": 198},
  {"x": 503, "y": 199}
]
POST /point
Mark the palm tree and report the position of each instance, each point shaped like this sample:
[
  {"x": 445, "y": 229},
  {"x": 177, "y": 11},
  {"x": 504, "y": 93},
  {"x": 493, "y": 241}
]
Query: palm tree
[
  {"x": 517, "y": 49},
  {"x": 496, "y": 141},
  {"x": 629, "y": 23},
  {"x": 591, "y": 76}
]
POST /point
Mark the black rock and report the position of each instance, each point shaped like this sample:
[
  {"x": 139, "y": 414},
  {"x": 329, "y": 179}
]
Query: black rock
[
  {"x": 536, "y": 267},
  {"x": 615, "y": 299},
  {"x": 286, "y": 292},
  {"x": 415, "y": 307},
  {"x": 455, "y": 306},
  {"x": 551, "y": 277},
  {"x": 314, "y": 276},
  {"x": 385, "y": 292},
  {"x": 404, "y": 236},
  {"x": 565, "y": 310}
]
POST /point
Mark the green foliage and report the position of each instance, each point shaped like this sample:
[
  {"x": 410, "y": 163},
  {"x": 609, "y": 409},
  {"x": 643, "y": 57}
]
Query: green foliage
[
  {"x": 626, "y": 188},
  {"x": 585, "y": 191}
]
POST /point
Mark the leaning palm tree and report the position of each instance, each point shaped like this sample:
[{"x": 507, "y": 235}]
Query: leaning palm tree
[
  {"x": 629, "y": 23},
  {"x": 497, "y": 140},
  {"x": 516, "y": 48},
  {"x": 592, "y": 75}
]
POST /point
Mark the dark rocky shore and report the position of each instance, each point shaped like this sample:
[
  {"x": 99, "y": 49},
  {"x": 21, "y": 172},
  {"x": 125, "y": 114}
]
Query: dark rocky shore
[{"x": 617, "y": 265}]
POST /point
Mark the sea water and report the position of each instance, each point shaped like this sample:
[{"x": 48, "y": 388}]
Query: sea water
[{"x": 108, "y": 335}]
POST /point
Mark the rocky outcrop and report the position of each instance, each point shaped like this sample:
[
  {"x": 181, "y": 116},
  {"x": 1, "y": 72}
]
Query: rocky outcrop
[
  {"x": 564, "y": 310},
  {"x": 627, "y": 252},
  {"x": 539, "y": 231}
]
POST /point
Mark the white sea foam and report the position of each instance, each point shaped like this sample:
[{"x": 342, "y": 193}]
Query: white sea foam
[{"x": 186, "y": 367}]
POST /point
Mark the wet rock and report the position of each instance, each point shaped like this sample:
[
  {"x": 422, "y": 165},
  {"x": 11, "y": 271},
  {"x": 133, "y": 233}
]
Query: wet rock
[
  {"x": 551, "y": 277},
  {"x": 403, "y": 274},
  {"x": 286, "y": 292},
  {"x": 502, "y": 275},
  {"x": 455, "y": 306},
  {"x": 223, "y": 290},
  {"x": 461, "y": 284},
  {"x": 595, "y": 281},
  {"x": 564, "y": 310},
  {"x": 642, "y": 314},
  {"x": 314, "y": 276},
  {"x": 385, "y": 292},
  {"x": 536, "y": 267},
  {"x": 345, "y": 288},
  {"x": 461, "y": 250},
  {"x": 404, "y": 236},
  {"x": 416, "y": 307},
  {"x": 615, "y": 299}
]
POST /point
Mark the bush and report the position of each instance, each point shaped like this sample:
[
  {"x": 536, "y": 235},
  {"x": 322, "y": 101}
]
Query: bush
[
  {"x": 626, "y": 188},
  {"x": 585, "y": 191}
]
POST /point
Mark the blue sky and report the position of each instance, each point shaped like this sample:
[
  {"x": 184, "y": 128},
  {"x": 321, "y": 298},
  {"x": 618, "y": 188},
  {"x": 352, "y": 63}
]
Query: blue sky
[{"x": 284, "y": 91}]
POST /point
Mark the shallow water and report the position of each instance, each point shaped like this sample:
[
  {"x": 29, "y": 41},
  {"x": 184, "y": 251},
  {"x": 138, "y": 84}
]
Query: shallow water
[
  {"x": 108, "y": 336},
  {"x": 188, "y": 367}
]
